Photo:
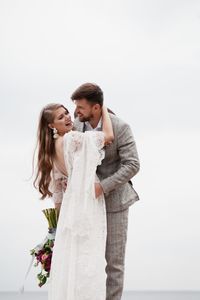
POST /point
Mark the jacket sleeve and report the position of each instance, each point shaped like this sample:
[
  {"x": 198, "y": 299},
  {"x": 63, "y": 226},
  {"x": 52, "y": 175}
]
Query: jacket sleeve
[{"x": 129, "y": 161}]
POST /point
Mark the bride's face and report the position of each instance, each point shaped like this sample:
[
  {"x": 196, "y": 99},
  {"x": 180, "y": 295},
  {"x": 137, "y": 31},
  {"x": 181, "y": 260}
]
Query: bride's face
[{"x": 62, "y": 121}]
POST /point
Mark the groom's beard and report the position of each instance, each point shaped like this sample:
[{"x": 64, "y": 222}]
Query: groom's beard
[{"x": 84, "y": 118}]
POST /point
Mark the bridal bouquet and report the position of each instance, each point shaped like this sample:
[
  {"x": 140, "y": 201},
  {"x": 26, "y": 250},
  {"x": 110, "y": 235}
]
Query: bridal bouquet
[{"x": 42, "y": 253}]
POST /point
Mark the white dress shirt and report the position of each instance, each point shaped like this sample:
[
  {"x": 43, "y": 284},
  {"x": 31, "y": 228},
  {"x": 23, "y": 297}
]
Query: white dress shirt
[{"x": 88, "y": 127}]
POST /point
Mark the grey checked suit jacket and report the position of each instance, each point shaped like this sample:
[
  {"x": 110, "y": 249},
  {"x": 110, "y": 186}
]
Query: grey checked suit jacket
[{"x": 120, "y": 164}]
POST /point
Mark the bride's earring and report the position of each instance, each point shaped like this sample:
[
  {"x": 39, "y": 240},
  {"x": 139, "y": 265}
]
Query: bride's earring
[{"x": 55, "y": 133}]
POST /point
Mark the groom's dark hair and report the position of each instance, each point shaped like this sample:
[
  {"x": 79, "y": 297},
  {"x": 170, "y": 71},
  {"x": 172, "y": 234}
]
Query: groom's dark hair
[{"x": 90, "y": 91}]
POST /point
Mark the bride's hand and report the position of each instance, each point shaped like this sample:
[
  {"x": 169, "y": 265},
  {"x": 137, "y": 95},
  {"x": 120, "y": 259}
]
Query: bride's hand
[
  {"x": 108, "y": 143},
  {"x": 98, "y": 190}
]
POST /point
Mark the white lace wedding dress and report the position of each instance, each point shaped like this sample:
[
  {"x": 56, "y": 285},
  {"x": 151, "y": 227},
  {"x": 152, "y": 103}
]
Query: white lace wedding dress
[{"x": 78, "y": 262}]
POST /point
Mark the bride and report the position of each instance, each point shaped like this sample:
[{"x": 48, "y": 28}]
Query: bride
[{"x": 67, "y": 162}]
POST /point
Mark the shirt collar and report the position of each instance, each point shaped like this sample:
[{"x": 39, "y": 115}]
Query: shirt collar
[{"x": 99, "y": 125}]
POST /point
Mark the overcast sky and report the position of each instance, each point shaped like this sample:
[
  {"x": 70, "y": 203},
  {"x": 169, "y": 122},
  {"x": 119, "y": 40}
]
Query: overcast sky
[{"x": 146, "y": 57}]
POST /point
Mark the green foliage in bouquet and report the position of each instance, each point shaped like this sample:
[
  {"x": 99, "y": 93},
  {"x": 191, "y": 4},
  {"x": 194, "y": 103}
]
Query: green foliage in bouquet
[{"x": 43, "y": 252}]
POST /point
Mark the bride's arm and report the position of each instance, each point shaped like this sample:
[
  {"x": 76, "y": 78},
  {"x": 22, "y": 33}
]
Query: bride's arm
[
  {"x": 107, "y": 126},
  {"x": 58, "y": 187}
]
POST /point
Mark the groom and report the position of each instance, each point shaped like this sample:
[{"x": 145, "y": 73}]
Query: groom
[{"x": 120, "y": 164}]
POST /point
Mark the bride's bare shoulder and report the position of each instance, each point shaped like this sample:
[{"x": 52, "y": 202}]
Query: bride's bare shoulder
[{"x": 59, "y": 143}]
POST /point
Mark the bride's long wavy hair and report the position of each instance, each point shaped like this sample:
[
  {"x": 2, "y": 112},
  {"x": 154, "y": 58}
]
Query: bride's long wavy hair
[{"x": 46, "y": 149}]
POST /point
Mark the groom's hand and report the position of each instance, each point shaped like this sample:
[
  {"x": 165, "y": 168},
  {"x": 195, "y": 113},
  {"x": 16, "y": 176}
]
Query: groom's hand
[{"x": 98, "y": 190}]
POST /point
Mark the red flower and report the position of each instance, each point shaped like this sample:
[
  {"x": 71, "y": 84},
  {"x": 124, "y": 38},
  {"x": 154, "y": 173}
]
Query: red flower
[{"x": 47, "y": 266}]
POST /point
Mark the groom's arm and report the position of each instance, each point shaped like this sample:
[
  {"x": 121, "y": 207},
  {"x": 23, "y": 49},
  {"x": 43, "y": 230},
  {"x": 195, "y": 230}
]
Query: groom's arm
[{"x": 129, "y": 161}]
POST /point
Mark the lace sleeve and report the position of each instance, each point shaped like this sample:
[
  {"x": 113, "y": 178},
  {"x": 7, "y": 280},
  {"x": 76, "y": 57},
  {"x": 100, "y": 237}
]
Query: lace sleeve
[
  {"x": 96, "y": 141},
  {"x": 59, "y": 186},
  {"x": 76, "y": 141},
  {"x": 82, "y": 147},
  {"x": 99, "y": 139}
]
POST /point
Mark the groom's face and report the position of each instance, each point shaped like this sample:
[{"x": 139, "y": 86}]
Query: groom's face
[{"x": 84, "y": 110}]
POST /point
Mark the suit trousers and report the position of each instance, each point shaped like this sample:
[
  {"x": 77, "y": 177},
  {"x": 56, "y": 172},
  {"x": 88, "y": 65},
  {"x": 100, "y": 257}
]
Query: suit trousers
[{"x": 117, "y": 225}]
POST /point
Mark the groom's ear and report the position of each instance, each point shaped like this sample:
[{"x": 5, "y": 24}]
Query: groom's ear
[{"x": 97, "y": 107}]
